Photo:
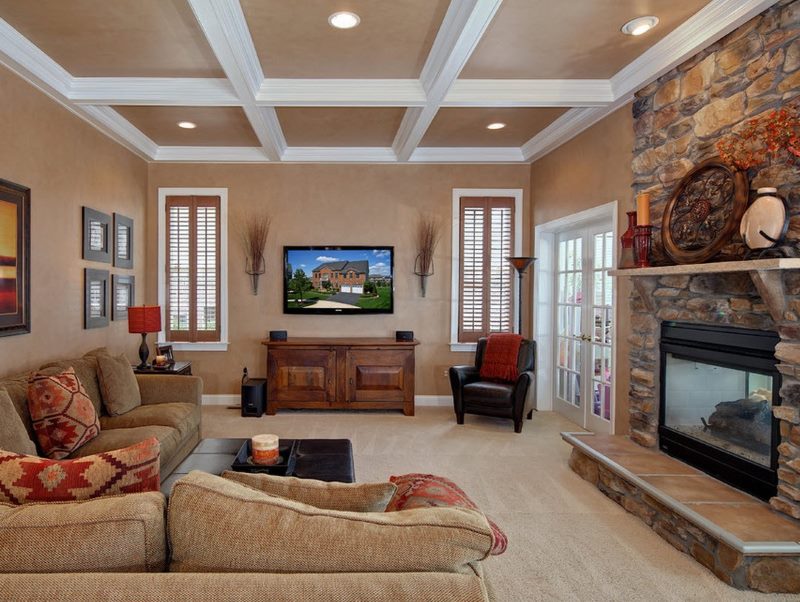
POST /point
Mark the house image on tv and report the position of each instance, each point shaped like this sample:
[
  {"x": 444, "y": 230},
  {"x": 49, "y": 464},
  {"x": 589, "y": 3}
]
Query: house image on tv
[{"x": 346, "y": 276}]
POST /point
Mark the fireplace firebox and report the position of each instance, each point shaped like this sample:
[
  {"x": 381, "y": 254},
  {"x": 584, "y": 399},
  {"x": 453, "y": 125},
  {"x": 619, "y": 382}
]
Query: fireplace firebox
[{"x": 718, "y": 387}]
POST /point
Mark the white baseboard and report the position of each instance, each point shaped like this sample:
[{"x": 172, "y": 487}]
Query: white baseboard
[
  {"x": 420, "y": 400},
  {"x": 222, "y": 400}
]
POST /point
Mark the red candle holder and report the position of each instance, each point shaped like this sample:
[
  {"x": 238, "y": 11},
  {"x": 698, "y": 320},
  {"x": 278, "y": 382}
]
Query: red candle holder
[{"x": 642, "y": 243}]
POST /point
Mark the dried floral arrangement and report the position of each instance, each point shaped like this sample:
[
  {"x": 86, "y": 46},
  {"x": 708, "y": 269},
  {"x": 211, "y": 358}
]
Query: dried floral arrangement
[
  {"x": 429, "y": 230},
  {"x": 253, "y": 234},
  {"x": 769, "y": 136}
]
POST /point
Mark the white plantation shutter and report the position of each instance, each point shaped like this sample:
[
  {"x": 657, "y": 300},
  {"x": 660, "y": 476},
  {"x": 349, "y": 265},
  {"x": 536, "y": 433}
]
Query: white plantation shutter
[
  {"x": 486, "y": 277},
  {"x": 193, "y": 226}
]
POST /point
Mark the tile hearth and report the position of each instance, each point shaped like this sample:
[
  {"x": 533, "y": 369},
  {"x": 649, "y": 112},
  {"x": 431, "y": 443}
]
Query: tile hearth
[{"x": 738, "y": 537}]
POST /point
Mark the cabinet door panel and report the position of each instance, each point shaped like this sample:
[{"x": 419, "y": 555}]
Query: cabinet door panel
[
  {"x": 301, "y": 375},
  {"x": 378, "y": 375}
]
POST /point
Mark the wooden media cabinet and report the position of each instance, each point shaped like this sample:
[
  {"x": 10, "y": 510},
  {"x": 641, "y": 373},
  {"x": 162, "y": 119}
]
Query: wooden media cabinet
[{"x": 340, "y": 373}]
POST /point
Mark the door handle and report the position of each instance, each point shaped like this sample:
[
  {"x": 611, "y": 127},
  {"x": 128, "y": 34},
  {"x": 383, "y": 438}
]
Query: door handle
[{"x": 584, "y": 337}]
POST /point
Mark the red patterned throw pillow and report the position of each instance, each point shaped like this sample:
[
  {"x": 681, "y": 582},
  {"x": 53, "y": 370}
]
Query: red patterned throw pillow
[
  {"x": 62, "y": 414},
  {"x": 25, "y": 479},
  {"x": 426, "y": 490}
]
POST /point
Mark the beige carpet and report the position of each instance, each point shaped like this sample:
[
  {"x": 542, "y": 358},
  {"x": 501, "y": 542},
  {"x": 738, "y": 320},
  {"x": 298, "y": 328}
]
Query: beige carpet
[{"x": 567, "y": 541}]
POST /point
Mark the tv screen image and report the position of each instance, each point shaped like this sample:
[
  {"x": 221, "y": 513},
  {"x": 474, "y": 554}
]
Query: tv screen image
[{"x": 338, "y": 280}]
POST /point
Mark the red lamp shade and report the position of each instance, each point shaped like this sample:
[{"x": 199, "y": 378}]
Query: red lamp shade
[{"x": 144, "y": 318}]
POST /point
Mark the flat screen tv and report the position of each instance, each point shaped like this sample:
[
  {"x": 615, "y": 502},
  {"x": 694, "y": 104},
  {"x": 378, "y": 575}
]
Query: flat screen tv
[{"x": 338, "y": 280}]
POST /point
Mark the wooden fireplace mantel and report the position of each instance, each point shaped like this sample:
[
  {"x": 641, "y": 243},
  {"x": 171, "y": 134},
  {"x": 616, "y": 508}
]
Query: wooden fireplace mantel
[{"x": 765, "y": 273}]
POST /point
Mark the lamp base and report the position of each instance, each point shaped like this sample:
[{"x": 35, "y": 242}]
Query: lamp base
[{"x": 144, "y": 352}]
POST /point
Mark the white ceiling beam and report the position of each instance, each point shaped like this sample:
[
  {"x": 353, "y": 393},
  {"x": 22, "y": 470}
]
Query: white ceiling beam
[
  {"x": 24, "y": 58},
  {"x": 164, "y": 91},
  {"x": 462, "y": 28},
  {"x": 715, "y": 20},
  {"x": 529, "y": 93},
  {"x": 225, "y": 28},
  {"x": 333, "y": 154},
  {"x": 341, "y": 92},
  {"x": 511, "y": 154},
  {"x": 211, "y": 154}
]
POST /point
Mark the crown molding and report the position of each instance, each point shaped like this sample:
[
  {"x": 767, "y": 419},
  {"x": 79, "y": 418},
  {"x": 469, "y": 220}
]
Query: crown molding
[
  {"x": 340, "y": 154},
  {"x": 715, "y": 20},
  {"x": 529, "y": 93},
  {"x": 500, "y": 154},
  {"x": 25, "y": 58},
  {"x": 211, "y": 154},
  {"x": 225, "y": 28},
  {"x": 175, "y": 91},
  {"x": 462, "y": 28},
  {"x": 121, "y": 129},
  {"x": 341, "y": 92}
]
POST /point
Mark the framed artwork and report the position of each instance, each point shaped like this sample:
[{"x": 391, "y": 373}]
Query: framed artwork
[
  {"x": 123, "y": 241},
  {"x": 15, "y": 263},
  {"x": 96, "y": 236},
  {"x": 123, "y": 296},
  {"x": 165, "y": 350},
  {"x": 95, "y": 298}
]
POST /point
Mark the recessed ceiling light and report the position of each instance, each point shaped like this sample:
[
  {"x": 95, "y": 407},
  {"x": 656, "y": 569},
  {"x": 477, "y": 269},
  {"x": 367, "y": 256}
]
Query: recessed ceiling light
[
  {"x": 496, "y": 126},
  {"x": 639, "y": 25},
  {"x": 344, "y": 20},
  {"x": 187, "y": 125}
]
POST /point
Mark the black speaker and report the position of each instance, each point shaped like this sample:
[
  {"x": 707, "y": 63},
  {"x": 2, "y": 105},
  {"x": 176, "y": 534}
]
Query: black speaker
[
  {"x": 404, "y": 335},
  {"x": 277, "y": 335},
  {"x": 254, "y": 397}
]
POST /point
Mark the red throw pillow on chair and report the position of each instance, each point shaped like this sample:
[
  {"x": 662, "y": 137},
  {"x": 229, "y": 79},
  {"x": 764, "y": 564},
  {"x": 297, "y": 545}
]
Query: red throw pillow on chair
[
  {"x": 500, "y": 357},
  {"x": 427, "y": 490}
]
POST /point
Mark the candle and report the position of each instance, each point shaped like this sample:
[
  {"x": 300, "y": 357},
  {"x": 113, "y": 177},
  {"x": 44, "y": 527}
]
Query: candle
[
  {"x": 264, "y": 449},
  {"x": 161, "y": 360},
  {"x": 643, "y": 209}
]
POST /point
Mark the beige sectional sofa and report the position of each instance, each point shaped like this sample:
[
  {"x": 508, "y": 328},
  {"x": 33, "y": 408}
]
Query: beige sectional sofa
[{"x": 170, "y": 411}]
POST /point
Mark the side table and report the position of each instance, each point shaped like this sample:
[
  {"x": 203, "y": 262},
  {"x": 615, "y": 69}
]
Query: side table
[{"x": 181, "y": 368}]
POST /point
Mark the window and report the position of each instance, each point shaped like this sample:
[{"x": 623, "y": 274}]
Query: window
[
  {"x": 192, "y": 275},
  {"x": 487, "y": 229}
]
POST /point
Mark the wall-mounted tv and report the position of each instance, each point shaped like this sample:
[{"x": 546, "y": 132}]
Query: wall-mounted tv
[{"x": 338, "y": 280}]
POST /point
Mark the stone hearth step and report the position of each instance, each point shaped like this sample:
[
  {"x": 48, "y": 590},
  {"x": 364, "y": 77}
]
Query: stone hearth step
[{"x": 736, "y": 536}]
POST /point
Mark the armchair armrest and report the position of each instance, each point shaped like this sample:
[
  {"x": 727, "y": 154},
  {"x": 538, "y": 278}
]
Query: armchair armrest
[
  {"x": 164, "y": 388},
  {"x": 459, "y": 377},
  {"x": 520, "y": 396}
]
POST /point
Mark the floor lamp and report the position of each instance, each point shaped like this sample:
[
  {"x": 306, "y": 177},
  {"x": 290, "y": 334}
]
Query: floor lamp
[{"x": 520, "y": 264}]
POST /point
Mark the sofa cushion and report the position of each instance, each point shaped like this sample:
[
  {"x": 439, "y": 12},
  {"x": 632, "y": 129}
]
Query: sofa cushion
[
  {"x": 86, "y": 369},
  {"x": 111, "y": 534},
  {"x": 13, "y": 435},
  {"x": 25, "y": 479},
  {"x": 118, "y": 386},
  {"x": 352, "y": 497},
  {"x": 217, "y": 525},
  {"x": 182, "y": 416},
  {"x": 62, "y": 414},
  {"x": 488, "y": 393},
  {"x": 169, "y": 440},
  {"x": 427, "y": 490},
  {"x": 17, "y": 388}
]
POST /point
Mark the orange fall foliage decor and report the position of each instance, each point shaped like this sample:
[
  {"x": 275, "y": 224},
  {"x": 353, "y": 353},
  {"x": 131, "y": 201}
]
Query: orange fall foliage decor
[{"x": 768, "y": 136}]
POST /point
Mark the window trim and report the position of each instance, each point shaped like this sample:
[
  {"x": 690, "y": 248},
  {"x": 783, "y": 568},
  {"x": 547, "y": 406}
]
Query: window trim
[
  {"x": 222, "y": 193},
  {"x": 455, "y": 269}
]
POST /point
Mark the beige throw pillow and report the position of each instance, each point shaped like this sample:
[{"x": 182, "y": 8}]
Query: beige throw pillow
[
  {"x": 352, "y": 497},
  {"x": 216, "y": 525},
  {"x": 13, "y": 434},
  {"x": 118, "y": 384}
]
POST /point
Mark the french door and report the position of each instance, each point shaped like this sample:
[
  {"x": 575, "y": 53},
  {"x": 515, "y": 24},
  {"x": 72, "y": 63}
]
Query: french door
[{"x": 583, "y": 326}]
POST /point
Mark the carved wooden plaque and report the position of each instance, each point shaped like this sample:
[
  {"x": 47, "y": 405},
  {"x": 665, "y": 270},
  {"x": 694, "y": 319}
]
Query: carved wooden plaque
[{"x": 704, "y": 212}]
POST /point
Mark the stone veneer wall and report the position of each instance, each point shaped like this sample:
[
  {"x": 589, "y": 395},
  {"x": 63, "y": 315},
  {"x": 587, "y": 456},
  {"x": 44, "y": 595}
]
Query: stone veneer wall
[
  {"x": 677, "y": 120},
  {"x": 679, "y": 117}
]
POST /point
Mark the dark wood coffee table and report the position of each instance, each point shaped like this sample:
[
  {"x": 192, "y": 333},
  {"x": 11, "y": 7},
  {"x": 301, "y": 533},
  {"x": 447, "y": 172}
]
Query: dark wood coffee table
[{"x": 322, "y": 459}]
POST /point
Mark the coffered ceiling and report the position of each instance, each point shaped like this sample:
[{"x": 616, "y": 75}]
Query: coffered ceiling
[{"x": 416, "y": 80}]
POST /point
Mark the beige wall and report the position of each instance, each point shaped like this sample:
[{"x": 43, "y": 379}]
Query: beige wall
[
  {"x": 67, "y": 164},
  {"x": 334, "y": 205},
  {"x": 592, "y": 169}
]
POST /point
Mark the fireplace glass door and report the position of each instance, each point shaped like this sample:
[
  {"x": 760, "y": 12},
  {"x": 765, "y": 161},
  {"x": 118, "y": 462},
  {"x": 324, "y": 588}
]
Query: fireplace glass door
[{"x": 728, "y": 408}]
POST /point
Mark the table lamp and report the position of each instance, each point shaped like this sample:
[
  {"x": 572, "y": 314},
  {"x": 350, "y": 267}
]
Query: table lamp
[
  {"x": 520, "y": 264},
  {"x": 141, "y": 320}
]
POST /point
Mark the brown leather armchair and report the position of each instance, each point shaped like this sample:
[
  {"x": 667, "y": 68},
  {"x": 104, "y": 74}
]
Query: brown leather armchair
[{"x": 471, "y": 395}]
